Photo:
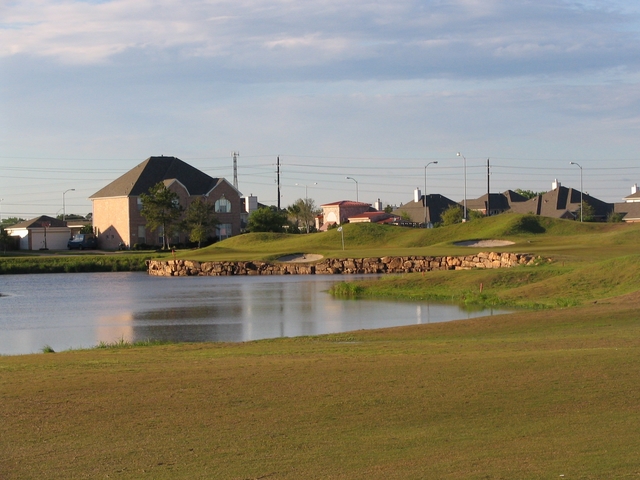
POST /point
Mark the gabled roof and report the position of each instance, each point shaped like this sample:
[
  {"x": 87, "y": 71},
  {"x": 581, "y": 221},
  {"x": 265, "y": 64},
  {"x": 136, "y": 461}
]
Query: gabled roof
[
  {"x": 376, "y": 216},
  {"x": 346, "y": 203},
  {"x": 561, "y": 202},
  {"x": 436, "y": 204},
  {"x": 630, "y": 210},
  {"x": 38, "y": 223},
  {"x": 498, "y": 201},
  {"x": 153, "y": 170}
]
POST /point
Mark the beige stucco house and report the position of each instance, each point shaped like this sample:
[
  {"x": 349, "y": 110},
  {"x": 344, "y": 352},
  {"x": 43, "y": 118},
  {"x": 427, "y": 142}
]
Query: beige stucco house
[{"x": 116, "y": 207}]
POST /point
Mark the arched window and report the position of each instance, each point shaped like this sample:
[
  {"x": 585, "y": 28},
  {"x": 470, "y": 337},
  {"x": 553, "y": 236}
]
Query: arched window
[{"x": 223, "y": 205}]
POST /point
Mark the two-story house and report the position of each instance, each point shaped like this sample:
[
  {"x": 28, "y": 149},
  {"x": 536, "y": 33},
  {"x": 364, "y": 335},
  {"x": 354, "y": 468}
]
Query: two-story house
[{"x": 116, "y": 207}]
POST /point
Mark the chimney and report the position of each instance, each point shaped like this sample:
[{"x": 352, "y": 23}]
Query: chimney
[
  {"x": 555, "y": 185},
  {"x": 417, "y": 195},
  {"x": 634, "y": 189}
]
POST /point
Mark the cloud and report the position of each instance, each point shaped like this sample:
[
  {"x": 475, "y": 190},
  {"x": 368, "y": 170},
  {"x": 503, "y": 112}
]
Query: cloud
[{"x": 267, "y": 39}]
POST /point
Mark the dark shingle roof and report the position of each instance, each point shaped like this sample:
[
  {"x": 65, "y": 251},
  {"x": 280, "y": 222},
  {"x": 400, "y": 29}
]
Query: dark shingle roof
[
  {"x": 436, "y": 204},
  {"x": 38, "y": 221},
  {"x": 153, "y": 170}
]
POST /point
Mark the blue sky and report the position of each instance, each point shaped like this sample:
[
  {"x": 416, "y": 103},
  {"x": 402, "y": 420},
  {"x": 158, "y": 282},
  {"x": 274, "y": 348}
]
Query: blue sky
[{"x": 374, "y": 90}]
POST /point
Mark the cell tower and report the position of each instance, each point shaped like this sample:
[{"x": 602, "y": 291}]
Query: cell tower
[{"x": 235, "y": 168}]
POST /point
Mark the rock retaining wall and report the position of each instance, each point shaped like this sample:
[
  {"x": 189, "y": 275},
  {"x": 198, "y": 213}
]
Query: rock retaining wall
[{"x": 182, "y": 268}]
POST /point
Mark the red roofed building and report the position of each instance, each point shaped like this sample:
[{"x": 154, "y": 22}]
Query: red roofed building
[
  {"x": 339, "y": 212},
  {"x": 374, "y": 217}
]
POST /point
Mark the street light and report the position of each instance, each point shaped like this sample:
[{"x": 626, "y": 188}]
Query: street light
[
  {"x": 464, "y": 215},
  {"x": 64, "y": 211},
  {"x": 305, "y": 189},
  {"x": 425, "y": 191},
  {"x": 306, "y": 204},
  {"x": 578, "y": 165},
  {"x": 351, "y": 178},
  {"x": 1, "y": 200}
]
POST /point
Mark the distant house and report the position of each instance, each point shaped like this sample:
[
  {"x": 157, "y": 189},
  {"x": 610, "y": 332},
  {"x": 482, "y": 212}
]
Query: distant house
[
  {"x": 374, "y": 217},
  {"x": 116, "y": 207},
  {"x": 630, "y": 209},
  {"x": 420, "y": 212},
  {"x": 498, "y": 202},
  {"x": 563, "y": 202},
  {"x": 41, "y": 233},
  {"x": 339, "y": 212}
]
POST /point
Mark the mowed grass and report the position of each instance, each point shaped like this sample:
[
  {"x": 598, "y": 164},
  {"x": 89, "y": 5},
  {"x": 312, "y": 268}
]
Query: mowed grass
[
  {"x": 527, "y": 395},
  {"x": 545, "y": 393},
  {"x": 565, "y": 240}
]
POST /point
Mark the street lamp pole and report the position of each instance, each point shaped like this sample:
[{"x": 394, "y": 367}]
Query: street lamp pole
[
  {"x": 64, "y": 211},
  {"x": 581, "y": 204},
  {"x": 306, "y": 204},
  {"x": 425, "y": 191},
  {"x": 351, "y": 178},
  {"x": 464, "y": 215}
]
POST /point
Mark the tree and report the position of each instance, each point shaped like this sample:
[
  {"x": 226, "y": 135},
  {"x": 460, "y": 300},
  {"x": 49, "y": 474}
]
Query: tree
[
  {"x": 452, "y": 215},
  {"x": 5, "y": 239},
  {"x": 615, "y": 217},
  {"x": 86, "y": 229},
  {"x": 388, "y": 209},
  {"x": 161, "y": 208},
  {"x": 303, "y": 211},
  {"x": 267, "y": 219},
  {"x": 588, "y": 212},
  {"x": 527, "y": 193},
  {"x": 9, "y": 221},
  {"x": 405, "y": 216},
  {"x": 293, "y": 214},
  {"x": 475, "y": 214},
  {"x": 199, "y": 220}
]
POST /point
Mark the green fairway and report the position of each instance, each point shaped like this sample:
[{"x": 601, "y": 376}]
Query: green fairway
[{"x": 544, "y": 393}]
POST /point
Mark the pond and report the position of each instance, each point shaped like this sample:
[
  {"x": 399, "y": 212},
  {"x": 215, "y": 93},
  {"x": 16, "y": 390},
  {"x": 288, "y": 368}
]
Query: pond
[{"x": 81, "y": 310}]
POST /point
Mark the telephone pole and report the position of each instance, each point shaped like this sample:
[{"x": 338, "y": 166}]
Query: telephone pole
[
  {"x": 488, "y": 190},
  {"x": 278, "y": 181},
  {"x": 235, "y": 168}
]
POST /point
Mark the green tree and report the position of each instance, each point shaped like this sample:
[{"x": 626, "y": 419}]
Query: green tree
[
  {"x": 474, "y": 214},
  {"x": 303, "y": 212},
  {"x": 527, "y": 193},
  {"x": 388, "y": 209},
  {"x": 86, "y": 229},
  {"x": 293, "y": 215},
  {"x": 161, "y": 208},
  {"x": 5, "y": 239},
  {"x": 267, "y": 219},
  {"x": 405, "y": 216},
  {"x": 588, "y": 212},
  {"x": 9, "y": 221},
  {"x": 615, "y": 217},
  {"x": 199, "y": 220},
  {"x": 452, "y": 215}
]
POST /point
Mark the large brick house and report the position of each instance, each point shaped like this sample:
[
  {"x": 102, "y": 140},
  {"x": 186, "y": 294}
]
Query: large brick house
[{"x": 116, "y": 207}]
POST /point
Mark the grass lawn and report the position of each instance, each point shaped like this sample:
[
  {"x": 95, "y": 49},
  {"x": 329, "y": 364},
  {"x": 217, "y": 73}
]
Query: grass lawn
[{"x": 546, "y": 393}]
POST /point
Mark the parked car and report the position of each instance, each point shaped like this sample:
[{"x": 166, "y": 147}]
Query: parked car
[{"x": 82, "y": 241}]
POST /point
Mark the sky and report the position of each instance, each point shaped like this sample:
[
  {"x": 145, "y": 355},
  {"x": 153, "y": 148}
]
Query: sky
[{"x": 373, "y": 90}]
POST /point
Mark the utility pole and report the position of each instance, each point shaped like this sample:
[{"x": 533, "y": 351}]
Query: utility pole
[
  {"x": 278, "y": 181},
  {"x": 488, "y": 191},
  {"x": 235, "y": 168}
]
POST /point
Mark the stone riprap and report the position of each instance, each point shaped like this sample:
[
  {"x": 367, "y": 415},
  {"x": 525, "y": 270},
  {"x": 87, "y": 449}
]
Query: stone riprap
[{"x": 339, "y": 266}]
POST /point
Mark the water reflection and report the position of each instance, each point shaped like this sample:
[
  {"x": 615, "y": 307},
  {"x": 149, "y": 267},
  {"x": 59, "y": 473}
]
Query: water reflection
[{"x": 81, "y": 310}]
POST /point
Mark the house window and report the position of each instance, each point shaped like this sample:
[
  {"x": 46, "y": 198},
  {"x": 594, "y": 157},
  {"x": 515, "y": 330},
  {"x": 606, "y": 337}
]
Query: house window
[
  {"x": 223, "y": 231},
  {"x": 139, "y": 202},
  {"x": 223, "y": 205},
  {"x": 142, "y": 234}
]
